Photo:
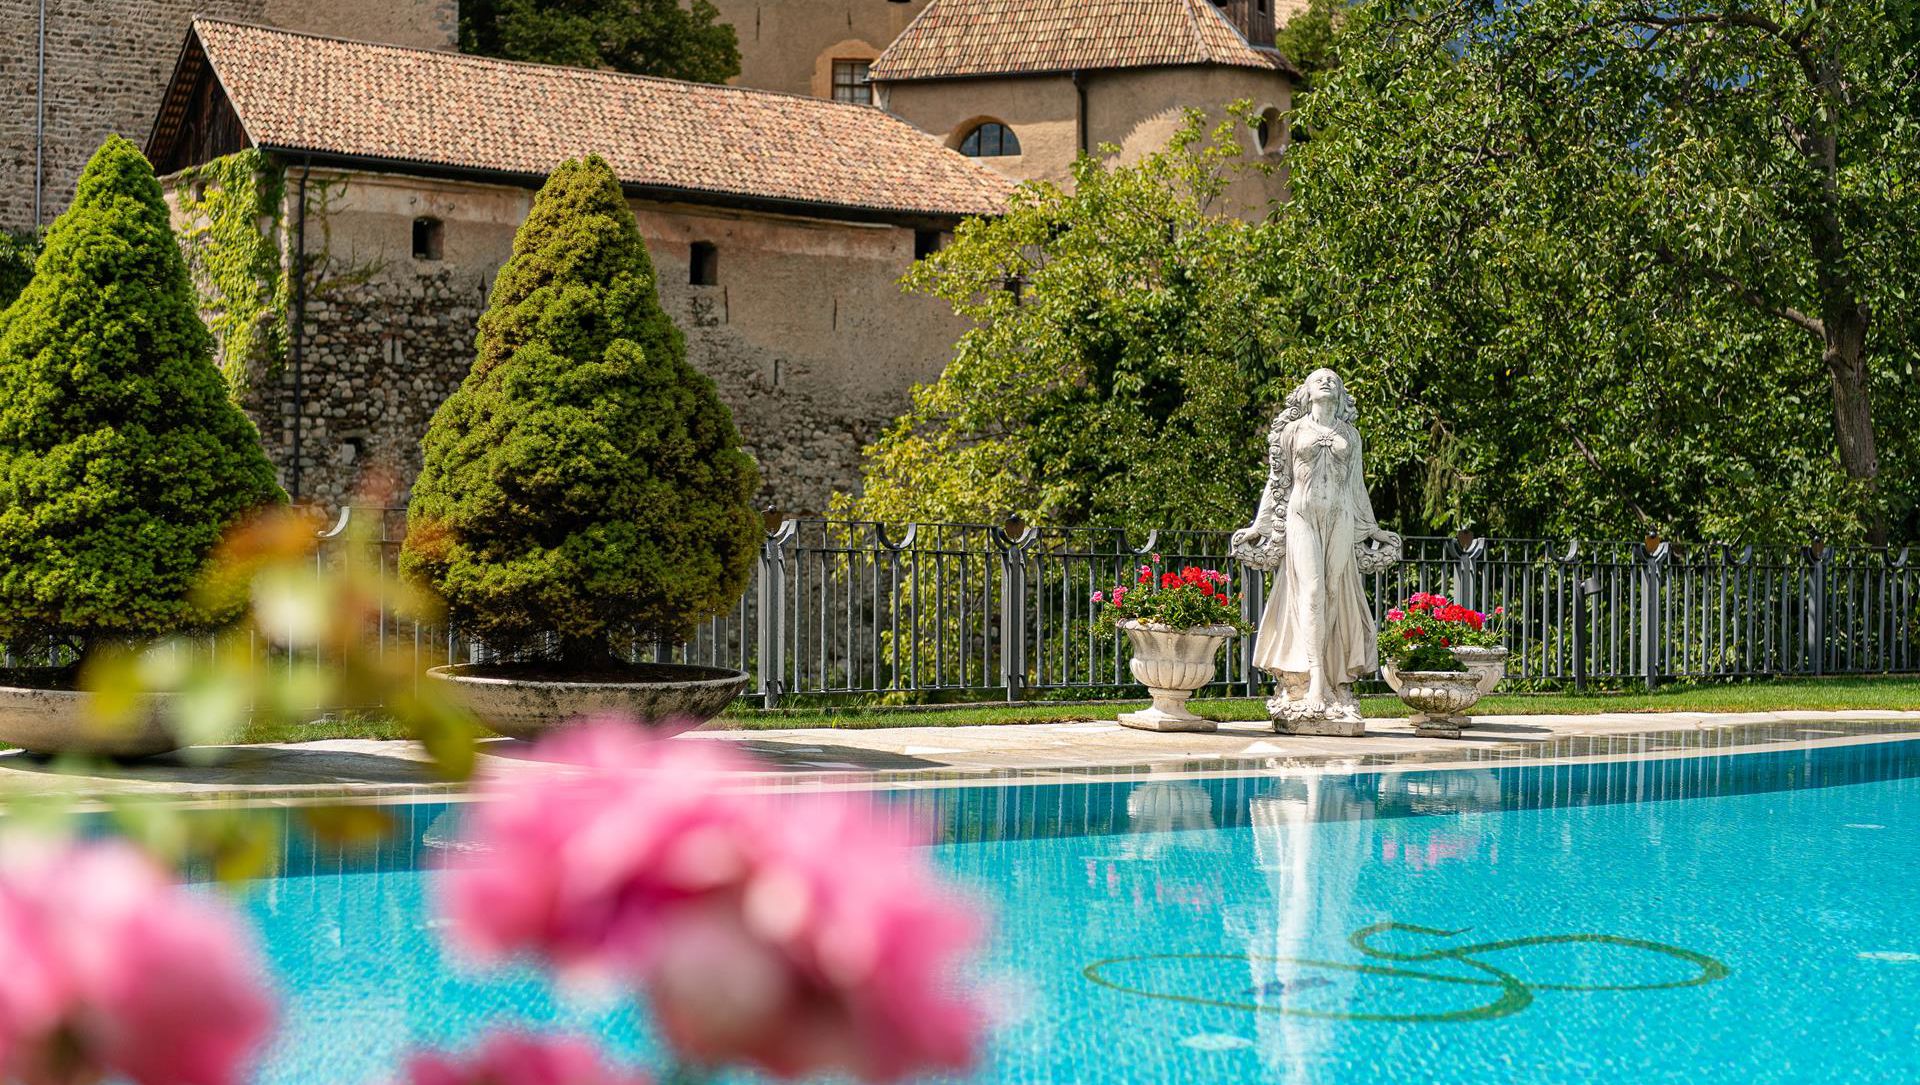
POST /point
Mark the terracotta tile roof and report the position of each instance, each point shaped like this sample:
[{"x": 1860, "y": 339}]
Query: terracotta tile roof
[
  {"x": 997, "y": 37},
  {"x": 295, "y": 92}
]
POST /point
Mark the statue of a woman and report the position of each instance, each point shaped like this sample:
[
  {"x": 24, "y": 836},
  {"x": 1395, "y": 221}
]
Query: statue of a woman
[{"x": 1315, "y": 528}]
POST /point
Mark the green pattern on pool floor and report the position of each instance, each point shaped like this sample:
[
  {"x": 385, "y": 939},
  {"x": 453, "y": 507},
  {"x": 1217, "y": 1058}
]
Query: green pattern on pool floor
[{"x": 1515, "y": 995}]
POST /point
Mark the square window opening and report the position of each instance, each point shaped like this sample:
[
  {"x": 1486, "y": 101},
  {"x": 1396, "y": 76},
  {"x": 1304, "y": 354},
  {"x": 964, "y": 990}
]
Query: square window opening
[
  {"x": 703, "y": 264},
  {"x": 429, "y": 235}
]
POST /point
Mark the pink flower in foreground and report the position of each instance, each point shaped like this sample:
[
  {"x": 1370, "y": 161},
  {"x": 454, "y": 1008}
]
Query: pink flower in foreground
[
  {"x": 802, "y": 934},
  {"x": 113, "y": 970},
  {"x": 1396, "y": 614},
  {"x": 512, "y": 1058}
]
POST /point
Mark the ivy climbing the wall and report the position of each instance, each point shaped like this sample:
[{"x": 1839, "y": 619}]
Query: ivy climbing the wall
[{"x": 230, "y": 217}]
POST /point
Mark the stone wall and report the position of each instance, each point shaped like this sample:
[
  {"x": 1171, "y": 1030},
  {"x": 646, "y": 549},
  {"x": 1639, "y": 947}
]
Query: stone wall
[
  {"x": 790, "y": 45},
  {"x": 107, "y": 63},
  {"x": 806, "y": 332}
]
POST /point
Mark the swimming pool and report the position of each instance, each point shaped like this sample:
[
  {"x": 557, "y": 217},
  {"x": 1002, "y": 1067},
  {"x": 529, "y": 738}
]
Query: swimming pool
[{"x": 1747, "y": 918}]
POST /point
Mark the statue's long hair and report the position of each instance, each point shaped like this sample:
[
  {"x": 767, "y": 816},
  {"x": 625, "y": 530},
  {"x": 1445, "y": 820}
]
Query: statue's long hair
[{"x": 1299, "y": 401}]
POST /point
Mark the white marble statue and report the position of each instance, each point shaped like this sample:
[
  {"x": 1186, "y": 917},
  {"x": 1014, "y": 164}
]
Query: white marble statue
[{"x": 1316, "y": 531}]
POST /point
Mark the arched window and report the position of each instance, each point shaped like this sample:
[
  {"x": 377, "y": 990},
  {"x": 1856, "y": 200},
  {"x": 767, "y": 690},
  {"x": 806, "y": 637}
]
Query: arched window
[
  {"x": 990, "y": 140},
  {"x": 1268, "y": 131}
]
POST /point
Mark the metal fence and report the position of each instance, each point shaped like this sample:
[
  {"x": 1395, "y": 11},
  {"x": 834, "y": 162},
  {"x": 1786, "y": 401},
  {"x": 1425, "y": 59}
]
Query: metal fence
[
  {"x": 851, "y": 610},
  {"x": 861, "y": 609}
]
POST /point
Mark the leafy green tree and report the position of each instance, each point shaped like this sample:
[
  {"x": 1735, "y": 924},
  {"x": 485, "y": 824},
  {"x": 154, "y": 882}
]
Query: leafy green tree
[
  {"x": 643, "y": 37},
  {"x": 1624, "y": 265},
  {"x": 584, "y": 480},
  {"x": 122, "y": 460},
  {"x": 1118, "y": 345},
  {"x": 1308, "y": 39},
  {"x": 17, "y": 253}
]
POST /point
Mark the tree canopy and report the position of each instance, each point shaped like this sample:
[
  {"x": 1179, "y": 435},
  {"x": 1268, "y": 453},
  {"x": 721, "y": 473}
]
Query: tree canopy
[
  {"x": 122, "y": 460},
  {"x": 584, "y": 480},
  {"x": 1116, "y": 351},
  {"x": 1623, "y": 266},
  {"x": 17, "y": 253},
  {"x": 642, "y": 37}
]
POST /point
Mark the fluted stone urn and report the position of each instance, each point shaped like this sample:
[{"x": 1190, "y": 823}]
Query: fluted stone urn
[
  {"x": 1487, "y": 664},
  {"x": 1439, "y": 699},
  {"x": 1172, "y": 664}
]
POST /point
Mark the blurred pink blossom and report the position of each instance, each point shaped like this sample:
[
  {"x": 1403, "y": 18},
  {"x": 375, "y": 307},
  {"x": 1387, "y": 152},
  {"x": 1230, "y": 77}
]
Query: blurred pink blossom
[
  {"x": 513, "y": 1058},
  {"x": 113, "y": 970},
  {"x": 800, "y": 933},
  {"x": 1395, "y": 614}
]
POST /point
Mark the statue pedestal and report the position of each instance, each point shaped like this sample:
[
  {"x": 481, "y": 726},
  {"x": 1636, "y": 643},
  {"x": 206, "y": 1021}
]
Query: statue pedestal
[
  {"x": 1294, "y": 713},
  {"x": 1321, "y": 725}
]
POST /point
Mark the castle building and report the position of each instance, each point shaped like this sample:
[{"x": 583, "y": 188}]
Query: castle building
[
  {"x": 73, "y": 72},
  {"x": 779, "y": 226},
  {"x": 1028, "y": 86}
]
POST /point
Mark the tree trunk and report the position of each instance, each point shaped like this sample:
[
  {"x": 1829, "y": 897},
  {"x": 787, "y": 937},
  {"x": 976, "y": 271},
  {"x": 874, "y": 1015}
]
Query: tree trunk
[
  {"x": 1845, "y": 356},
  {"x": 586, "y": 654}
]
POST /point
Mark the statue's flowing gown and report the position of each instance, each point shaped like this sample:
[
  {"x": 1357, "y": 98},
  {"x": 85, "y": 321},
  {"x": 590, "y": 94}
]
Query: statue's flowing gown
[{"x": 1318, "y": 606}]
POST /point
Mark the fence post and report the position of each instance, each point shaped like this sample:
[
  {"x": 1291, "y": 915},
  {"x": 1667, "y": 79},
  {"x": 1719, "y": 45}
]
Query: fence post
[
  {"x": 1253, "y": 590},
  {"x": 1466, "y": 552},
  {"x": 1013, "y": 539},
  {"x": 771, "y": 600},
  {"x": 1651, "y": 570},
  {"x": 1578, "y": 665},
  {"x": 1816, "y": 609}
]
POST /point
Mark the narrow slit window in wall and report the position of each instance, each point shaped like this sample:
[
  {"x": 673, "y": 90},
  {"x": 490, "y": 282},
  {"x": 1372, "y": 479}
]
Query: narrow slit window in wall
[
  {"x": 703, "y": 264},
  {"x": 428, "y": 236}
]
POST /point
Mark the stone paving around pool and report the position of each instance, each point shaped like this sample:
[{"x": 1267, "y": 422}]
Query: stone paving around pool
[{"x": 945, "y": 756}]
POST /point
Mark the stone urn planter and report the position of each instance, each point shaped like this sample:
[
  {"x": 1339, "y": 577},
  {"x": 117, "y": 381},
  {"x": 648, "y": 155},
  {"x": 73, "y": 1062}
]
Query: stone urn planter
[
  {"x": 40, "y": 717},
  {"x": 1172, "y": 664},
  {"x": 1488, "y": 664},
  {"x": 1439, "y": 699},
  {"x": 528, "y": 701}
]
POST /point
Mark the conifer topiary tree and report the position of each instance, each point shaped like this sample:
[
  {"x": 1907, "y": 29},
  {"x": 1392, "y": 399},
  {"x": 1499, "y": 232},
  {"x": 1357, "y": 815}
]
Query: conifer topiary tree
[
  {"x": 584, "y": 480},
  {"x": 122, "y": 458}
]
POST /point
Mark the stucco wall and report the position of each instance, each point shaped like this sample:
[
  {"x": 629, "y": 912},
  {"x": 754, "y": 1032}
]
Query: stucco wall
[
  {"x": 108, "y": 62},
  {"x": 1136, "y": 109},
  {"x": 807, "y": 334},
  {"x": 787, "y": 44},
  {"x": 1043, "y": 112}
]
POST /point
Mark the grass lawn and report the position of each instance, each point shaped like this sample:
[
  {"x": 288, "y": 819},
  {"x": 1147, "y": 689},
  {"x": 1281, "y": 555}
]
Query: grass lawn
[{"x": 1811, "y": 693}]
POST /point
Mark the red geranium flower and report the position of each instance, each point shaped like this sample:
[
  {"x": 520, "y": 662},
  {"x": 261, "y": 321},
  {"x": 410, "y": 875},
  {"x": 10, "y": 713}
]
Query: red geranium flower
[{"x": 1169, "y": 581}]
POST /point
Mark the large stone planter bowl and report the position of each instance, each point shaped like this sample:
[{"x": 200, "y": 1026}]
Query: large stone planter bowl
[
  {"x": 522, "y": 702},
  {"x": 46, "y": 720},
  {"x": 1172, "y": 664},
  {"x": 1488, "y": 664},
  {"x": 1439, "y": 699}
]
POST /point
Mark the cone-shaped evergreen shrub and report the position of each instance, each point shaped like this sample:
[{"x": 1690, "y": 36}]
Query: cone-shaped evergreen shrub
[
  {"x": 122, "y": 459},
  {"x": 584, "y": 480}
]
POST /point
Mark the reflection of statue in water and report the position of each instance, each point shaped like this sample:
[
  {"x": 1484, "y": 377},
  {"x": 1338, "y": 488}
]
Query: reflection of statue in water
[{"x": 1314, "y": 529}]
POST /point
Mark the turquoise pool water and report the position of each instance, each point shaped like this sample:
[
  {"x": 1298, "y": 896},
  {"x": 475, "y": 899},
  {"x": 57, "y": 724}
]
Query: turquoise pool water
[{"x": 1753, "y": 918}]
